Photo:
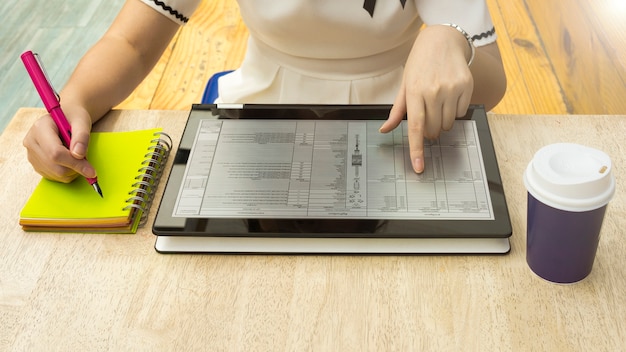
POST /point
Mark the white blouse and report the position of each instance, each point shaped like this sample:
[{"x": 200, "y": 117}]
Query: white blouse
[{"x": 331, "y": 51}]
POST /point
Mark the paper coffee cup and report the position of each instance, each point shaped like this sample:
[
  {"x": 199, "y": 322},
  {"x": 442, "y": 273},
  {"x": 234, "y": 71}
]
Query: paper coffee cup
[{"x": 569, "y": 187}]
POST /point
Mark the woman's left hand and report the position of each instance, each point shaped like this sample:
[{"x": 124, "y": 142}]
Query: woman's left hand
[{"x": 437, "y": 87}]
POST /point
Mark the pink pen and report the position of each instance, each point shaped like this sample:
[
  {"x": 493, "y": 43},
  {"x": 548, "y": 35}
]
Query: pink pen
[{"x": 51, "y": 101}]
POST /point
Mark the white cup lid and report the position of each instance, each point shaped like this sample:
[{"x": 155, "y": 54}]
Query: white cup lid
[{"x": 570, "y": 177}]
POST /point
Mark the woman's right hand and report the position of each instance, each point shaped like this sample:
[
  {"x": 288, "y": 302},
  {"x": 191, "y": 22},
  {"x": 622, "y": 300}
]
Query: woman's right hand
[
  {"x": 103, "y": 78},
  {"x": 50, "y": 157}
]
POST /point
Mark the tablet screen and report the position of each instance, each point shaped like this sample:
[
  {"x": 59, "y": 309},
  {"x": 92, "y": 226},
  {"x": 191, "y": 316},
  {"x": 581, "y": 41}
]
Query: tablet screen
[{"x": 268, "y": 170}]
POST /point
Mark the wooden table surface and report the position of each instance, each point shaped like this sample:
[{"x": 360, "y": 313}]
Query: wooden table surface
[{"x": 92, "y": 292}]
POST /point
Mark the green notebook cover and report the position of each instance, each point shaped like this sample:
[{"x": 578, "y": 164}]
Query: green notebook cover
[{"x": 119, "y": 159}]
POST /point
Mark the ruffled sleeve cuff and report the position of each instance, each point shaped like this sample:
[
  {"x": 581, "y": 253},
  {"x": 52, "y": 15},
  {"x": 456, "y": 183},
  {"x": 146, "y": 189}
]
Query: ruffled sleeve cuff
[
  {"x": 471, "y": 15},
  {"x": 178, "y": 11}
]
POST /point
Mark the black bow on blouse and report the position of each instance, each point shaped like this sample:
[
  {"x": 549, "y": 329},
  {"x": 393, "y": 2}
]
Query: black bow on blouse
[{"x": 369, "y": 5}]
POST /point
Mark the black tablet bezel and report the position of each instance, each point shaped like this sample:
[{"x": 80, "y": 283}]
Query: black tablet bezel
[{"x": 167, "y": 225}]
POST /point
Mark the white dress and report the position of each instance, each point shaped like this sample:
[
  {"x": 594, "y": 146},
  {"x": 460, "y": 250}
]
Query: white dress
[{"x": 331, "y": 51}]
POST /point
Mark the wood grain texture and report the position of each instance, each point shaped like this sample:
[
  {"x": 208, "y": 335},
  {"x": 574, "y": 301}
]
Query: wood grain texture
[
  {"x": 115, "y": 293},
  {"x": 532, "y": 86},
  {"x": 582, "y": 54}
]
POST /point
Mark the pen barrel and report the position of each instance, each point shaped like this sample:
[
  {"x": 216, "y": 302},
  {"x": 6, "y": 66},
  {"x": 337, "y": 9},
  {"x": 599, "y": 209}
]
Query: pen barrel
[
  {"x": 65, "y": 130},
  {"x": 38, "y": 76}
]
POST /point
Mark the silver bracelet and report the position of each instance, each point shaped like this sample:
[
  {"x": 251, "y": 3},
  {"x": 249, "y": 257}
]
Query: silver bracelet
[{"x": 469, "y": 39}]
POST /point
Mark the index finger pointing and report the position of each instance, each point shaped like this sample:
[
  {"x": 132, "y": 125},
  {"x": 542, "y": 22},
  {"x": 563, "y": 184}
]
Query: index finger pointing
[{"x": 416, "y": 117}]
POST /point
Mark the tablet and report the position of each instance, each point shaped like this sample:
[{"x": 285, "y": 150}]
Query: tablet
[{"x": 322, "y": 179}]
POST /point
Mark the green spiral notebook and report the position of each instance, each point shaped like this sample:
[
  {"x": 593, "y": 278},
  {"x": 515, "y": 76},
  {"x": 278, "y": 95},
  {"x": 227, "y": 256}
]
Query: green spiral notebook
[{"x": 129, "y": 166}]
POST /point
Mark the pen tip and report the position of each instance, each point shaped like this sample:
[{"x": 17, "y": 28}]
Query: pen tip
[{"x": 97, "y": 188}]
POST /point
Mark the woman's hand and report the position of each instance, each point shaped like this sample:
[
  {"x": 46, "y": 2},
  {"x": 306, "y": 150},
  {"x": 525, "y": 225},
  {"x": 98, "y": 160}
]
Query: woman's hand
[
  {"x": 50, "y": 157},
  {"x": 436, "y": 88}
]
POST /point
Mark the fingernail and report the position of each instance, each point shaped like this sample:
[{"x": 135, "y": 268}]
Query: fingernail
[
  {"x": 79, "y": 150},
  {"x": 418, "y": 165}
]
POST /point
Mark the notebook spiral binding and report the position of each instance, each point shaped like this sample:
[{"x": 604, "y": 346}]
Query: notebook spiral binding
[{"x": 147, "y": 180}]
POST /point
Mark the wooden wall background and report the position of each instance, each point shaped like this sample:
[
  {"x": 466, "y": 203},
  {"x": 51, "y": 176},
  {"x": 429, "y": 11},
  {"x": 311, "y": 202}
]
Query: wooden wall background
[{"x": 561, "y": 56}]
